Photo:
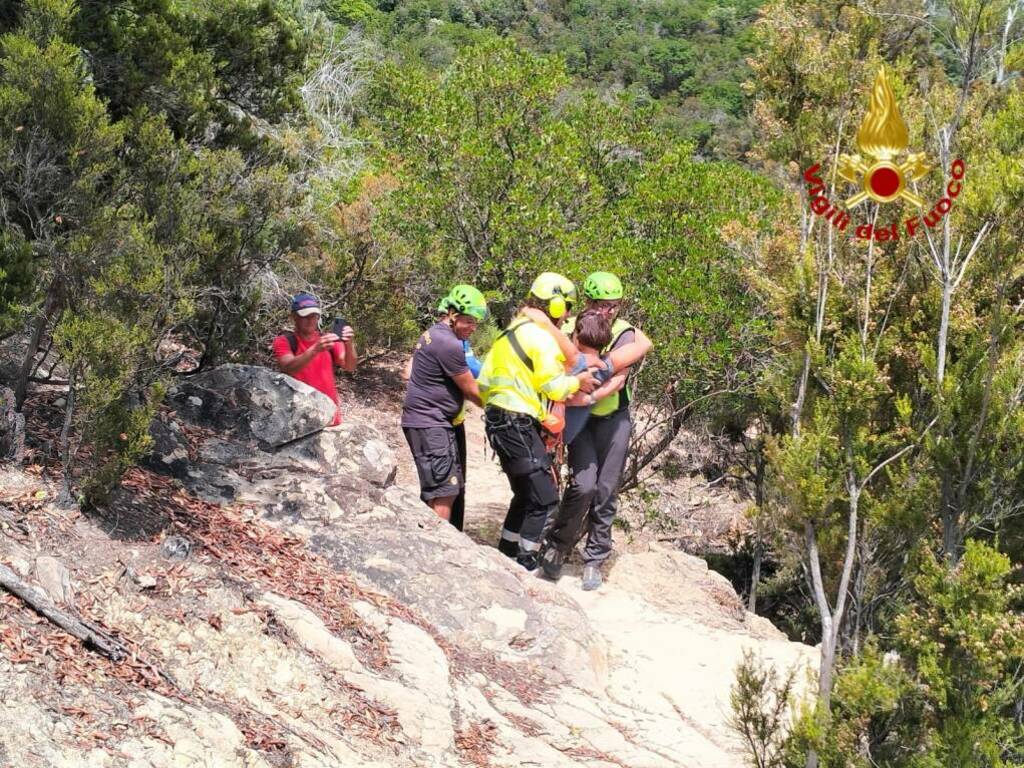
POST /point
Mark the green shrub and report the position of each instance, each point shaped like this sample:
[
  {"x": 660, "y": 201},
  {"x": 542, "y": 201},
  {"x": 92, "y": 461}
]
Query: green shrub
[
  {"x": 947, "y": 690},
  {"x": 17, "y": 277},
  {"x": 760, "y": 700}
]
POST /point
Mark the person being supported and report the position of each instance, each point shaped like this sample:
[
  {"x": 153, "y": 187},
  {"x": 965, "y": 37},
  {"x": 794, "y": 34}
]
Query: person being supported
[
  {"x": 592, "y": 333},
  {"x": 597, "y": 454}
]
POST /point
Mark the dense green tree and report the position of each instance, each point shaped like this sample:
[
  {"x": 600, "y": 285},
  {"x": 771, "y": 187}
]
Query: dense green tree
[
  {"x": 130, "y": 233},
  {"x": 495, "y": 173},
  {"x": 689, "y": 54},
  {"x": 209, "y": 68},
  {"x": 945, "y": 692},
  {"x": 58, "y": 151},
  {"x": 895, "y": 398},
  {"x": 502, "y": 172},
  {"x": 670, "y": 240}
]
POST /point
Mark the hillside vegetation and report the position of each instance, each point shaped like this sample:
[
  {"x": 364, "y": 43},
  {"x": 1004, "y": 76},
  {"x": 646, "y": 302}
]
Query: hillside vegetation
[{"x": 172, "y": 170}]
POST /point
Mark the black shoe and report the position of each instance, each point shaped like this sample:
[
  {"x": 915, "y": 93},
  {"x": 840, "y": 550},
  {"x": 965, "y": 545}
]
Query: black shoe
[
  {"x": 551, "y": 560},
  {"x": 508, "y": 548},
  {"x": 528, "y": 560}
]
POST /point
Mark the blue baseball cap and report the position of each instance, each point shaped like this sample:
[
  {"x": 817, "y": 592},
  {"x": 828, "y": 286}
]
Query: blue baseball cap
[{"x": 305, "y": 304}]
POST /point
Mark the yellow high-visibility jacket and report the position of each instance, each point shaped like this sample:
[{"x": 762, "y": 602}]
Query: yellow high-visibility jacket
[{"x": 506, "y": 380}]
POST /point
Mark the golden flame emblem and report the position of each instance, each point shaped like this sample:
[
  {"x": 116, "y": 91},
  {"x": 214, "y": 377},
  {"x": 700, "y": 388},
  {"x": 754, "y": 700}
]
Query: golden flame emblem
[{"x": 882, "y": 136}]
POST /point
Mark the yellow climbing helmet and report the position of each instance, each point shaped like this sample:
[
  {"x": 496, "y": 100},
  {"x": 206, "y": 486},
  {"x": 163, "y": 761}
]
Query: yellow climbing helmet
[{"x": 557, "y": 290}]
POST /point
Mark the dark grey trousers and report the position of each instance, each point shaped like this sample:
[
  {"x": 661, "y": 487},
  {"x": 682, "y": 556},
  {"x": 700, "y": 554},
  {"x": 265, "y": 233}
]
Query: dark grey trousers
[
  {"x": 515, "y": 438},
  {"x": 596, "y": 460}
]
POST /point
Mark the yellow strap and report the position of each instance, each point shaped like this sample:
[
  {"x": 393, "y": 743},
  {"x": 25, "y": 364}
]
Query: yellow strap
[{"x": 460, "y": 416}]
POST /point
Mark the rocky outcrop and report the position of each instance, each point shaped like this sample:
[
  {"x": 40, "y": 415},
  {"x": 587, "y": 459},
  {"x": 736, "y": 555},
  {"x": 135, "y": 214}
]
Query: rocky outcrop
[
  {"x": 246, "y": 402},
  {"x": 443, "y": 653},
  {"x": 336, "y": 486}
]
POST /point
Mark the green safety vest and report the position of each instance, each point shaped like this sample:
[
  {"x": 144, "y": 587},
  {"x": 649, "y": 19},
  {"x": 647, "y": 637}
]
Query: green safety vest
[{"x": 617, "y": 400}]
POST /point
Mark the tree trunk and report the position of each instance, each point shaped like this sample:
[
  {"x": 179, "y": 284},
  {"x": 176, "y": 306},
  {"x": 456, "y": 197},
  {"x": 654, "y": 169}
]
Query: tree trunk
[
  {"x": 67, "y": 496},
  {"x": 88, "y": 634},
  {"x": 858, "y": 606},
  {"x": 1011, "y": 14},
  {"x": 826, "y": 668},
  {"x": 755, "y": 573},
  {"x": 950, "y": 523},
  {"x": 50, "y": 309},
  {"x": 825, "y": 616},
  {"x": 801, "y": 394},
  {"x": 831, "y": 620},
  {"x": 940, "y": 351}
]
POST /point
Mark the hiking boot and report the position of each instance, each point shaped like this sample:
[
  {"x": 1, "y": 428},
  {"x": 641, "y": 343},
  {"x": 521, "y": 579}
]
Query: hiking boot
[
  {"x": 528, "y": 560},
  {"x": 551, "y": 560},
  {"x": 508, "y": 548},
  {"x": 591, "y": 577}
]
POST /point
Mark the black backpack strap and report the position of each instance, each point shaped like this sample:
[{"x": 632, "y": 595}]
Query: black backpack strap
[
  {"x": 510, "y": 332},
  {"x": 293, "y": 342}
]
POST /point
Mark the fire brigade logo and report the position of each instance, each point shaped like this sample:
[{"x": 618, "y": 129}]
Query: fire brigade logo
[
  {"x": 881, "y": 175},
  {"x": 883, "y": 136}
]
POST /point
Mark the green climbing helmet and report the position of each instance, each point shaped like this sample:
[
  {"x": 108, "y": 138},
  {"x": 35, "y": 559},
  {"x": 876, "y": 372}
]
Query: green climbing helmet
[
  {"x": 601, "y": 286},
  {"x": 466, "y": 300},
  {"x": 557, "y": 290}
]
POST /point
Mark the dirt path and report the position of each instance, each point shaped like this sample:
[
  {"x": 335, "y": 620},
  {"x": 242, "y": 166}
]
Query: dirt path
[
  {"x": 488, "y": 494},
  {"x": 674, "y": 631}
]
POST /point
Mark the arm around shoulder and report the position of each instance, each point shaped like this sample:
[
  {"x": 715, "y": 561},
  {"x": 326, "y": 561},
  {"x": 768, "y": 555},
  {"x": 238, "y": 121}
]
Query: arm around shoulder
[
  {"x": 631, "y": 353},
  {"x": 565, "y": 345}
]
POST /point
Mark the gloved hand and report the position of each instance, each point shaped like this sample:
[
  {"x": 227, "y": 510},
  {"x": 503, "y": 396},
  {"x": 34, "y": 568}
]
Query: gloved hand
[{"x": 475, "y": 363}]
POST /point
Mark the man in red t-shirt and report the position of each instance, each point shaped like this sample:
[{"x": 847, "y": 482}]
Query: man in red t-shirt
[{"x": 310, "y": 356}]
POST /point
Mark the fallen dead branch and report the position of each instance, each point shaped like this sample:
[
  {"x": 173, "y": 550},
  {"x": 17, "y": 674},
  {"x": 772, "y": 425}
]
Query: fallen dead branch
[
  {"x": 23, "y": 643},
  {"x": 91, "y": 636}
]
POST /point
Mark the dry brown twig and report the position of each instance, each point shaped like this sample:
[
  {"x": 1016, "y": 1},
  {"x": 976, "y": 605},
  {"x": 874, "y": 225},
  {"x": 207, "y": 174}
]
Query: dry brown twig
[{"x": 475, "y": 742}]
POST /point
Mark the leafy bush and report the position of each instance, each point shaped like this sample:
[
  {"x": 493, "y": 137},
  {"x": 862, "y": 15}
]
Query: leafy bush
[
  {"x": 947, "y": 691},
  {"x": 124, "y": 232},
  {"x": 760, "y": 700},
  {"x": 688, "y": 54},
  {"x": 16, "y": 278}
]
